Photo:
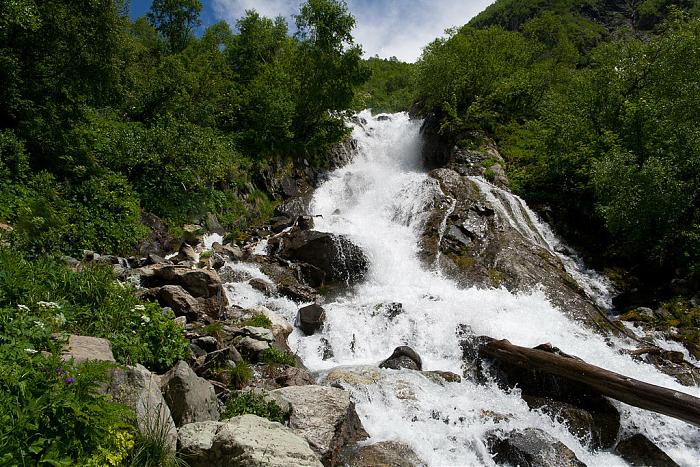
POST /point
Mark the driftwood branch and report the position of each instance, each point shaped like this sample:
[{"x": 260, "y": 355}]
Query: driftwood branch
[{"x": 616, "y": 386}]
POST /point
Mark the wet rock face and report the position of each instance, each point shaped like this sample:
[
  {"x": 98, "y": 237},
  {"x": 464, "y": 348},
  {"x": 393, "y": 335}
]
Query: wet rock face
[
  {"x": 639, "y": 451},
  {"x": 531, "y": 447},
  {"x": 474, "y": 243},
  {"x": 403, "y": 357},
  {"x": 340, "y": 260}
]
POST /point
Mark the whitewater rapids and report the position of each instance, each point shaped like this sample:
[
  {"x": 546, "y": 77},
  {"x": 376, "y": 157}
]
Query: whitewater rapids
[{"x": 379, "y": 202}]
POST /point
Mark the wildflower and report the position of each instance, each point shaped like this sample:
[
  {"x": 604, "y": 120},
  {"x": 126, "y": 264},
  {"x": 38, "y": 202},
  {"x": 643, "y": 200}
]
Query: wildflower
[
  {"x": 70, "y": 380},
  {"x": 23, "y": 307},
  {"x": 50, "y": 305},
  {"x": 59, "y": 319},
  {"x": 140, "y": 308},
  {"x": 31, "y": 351},
  {"x": 60, "y": 371},
  {"x": 40, "y": 324},
  {"x": 145, "y": 319}
]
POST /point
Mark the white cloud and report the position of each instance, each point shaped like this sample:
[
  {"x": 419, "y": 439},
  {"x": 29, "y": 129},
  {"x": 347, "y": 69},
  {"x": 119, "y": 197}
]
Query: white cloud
[{"x": 399, "y": 28}]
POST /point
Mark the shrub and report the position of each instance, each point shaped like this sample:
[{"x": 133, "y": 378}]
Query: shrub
[
  {"x": 249, "y": 403},
  {"x": 273, "y": 356},
  {"x": 240, "y": 374},
  {"x": 258, "y": 320}
]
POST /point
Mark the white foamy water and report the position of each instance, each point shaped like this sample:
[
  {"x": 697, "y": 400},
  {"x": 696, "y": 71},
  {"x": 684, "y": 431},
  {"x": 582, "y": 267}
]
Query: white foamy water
[{"x": 382, "y": 197}]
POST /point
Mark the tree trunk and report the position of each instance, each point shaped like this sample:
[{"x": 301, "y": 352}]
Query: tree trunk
[{"x": 628, "y": 390}]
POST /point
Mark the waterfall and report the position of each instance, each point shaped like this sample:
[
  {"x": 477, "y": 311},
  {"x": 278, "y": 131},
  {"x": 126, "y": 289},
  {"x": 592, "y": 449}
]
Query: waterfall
[{"x": 380, "y": 201}]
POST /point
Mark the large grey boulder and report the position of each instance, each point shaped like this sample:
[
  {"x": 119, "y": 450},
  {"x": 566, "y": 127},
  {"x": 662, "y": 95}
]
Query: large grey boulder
[
  {"x": 84, "y": 348},
  {"x": 189, "y": 397},
  {"x": 181, "y": 302},
  {"x": 489, "y": 240},
  {"x": 204, "y": 283},
  {"x": 340, "y": 260},
  {"x": 138, "y": 388},
  {"x": 325, "y": 417},
  {"x": 246, "y": 440},
  {"x": 531, "y": 447}
]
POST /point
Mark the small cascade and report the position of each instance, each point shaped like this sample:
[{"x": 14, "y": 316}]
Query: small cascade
[
  {"x": 443, "y": 227},
  {"x": 513, "y": 210}
]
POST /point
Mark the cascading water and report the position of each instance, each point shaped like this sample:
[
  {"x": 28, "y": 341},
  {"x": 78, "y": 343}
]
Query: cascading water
[{"x": 380, "y": 201}]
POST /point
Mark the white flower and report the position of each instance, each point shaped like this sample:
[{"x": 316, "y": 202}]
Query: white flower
[
  {"x": 145, "y": 319},
  {"x": 31, "y": 351},
  {"x": 51, "y": 305},
  {"x": 23, "y": 307},
  {"x": 60, "y": 319},
  {"x": 140, "y": 308},
  {"x": 40, "y": 324}
]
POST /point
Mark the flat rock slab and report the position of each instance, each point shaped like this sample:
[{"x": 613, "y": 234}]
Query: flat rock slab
[
  {"x": 246, "y": 440},
  {"x": 84, "y": 348}
]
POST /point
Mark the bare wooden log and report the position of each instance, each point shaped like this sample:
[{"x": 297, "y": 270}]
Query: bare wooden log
[{"x": 647, "y": 396}]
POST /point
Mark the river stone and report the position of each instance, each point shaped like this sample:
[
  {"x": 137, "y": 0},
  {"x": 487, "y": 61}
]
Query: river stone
[
  {"x": 84, "y": 348},
  {"x": 403, "y": 357},
  {"x": 325, "y": 417},
  {"x": 531, "y": 447},
  {"x": 181, "y": 302},
  {"x": 353, "y": 376},
  {"x": 310, "y": 318},
  {"x": 204, "y": 283},
  {"x": 185, "y": 253},
  {"x": 639, "y": 451},
  {"x": 246, "y": 440},
  {"x": 384, "y": 454},
  {"x": 139, "y": 389},
  {"x": 190, "y": 398},
  {"x": 250, "y": 347}
]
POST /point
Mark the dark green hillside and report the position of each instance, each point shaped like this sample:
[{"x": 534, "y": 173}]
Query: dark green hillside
[{"x": 390, "y": 87}]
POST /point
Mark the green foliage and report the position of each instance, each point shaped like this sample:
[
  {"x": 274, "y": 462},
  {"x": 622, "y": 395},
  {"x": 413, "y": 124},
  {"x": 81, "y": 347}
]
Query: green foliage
[
  {"x": 175, "y": 20},
  {"x": 240, "y": 374},
  {"x": 273, "y": 356},
  {"x": 152, "y": 444},
  {"x": 91, "y": 302},
  {"x": 389, "y": 88},
  {"x": 258, "y": 320},
  {"x": 247, "y": 402}
]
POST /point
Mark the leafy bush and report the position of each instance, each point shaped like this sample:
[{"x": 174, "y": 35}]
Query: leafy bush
[
  {"x": 91, "y": 302},
  {"x": 247, "y": 402},
  {"x": 274, "y": 356}
]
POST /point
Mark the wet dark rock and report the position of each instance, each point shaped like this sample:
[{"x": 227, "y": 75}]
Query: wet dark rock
[
  {"x": 207, "y": 343},
  {"x": 229, "y": 251},
  {"x": 393, "y": 309},
  {"x": 279, "y": 223},
  {"x": 197, "y": 351},
  {"x": 294, "y": 207},
  {"x": 326, "y": 349},
  {"x": 261, "y": 286},
  {"x": 600, "y": 424},
  {"x": 339, "y": 258},
  {"x": 639, "y": 451},
  {"x": 403, "y": 357},
  {"x": 203, "y": 283},
  {"x": 298, "y": 292},
  {"x": 383, "y": 118},
  {"x": 154, "y": 259},
  {"x": 311, "y": 275},
  {"x": 305, "y": 222},
  {"x": 531, "y": 447},
  {"x": 159, "y": 242},
  {"x": 443, "y": 376},
  {"x": 310, "y": 319}
]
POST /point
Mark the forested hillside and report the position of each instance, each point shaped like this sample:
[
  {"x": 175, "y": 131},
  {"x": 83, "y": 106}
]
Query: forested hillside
[{"x": 595, "y": 109}]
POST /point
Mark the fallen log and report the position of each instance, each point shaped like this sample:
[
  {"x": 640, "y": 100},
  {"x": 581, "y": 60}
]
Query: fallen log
[{"x": 646, "y": 396}]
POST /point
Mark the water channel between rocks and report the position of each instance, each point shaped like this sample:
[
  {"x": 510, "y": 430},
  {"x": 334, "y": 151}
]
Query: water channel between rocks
[{"x": 379, "y": 202}]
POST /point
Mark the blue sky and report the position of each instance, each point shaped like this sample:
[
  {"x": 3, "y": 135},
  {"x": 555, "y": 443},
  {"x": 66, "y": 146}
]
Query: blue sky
[{"x": 386, "y": 28}]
